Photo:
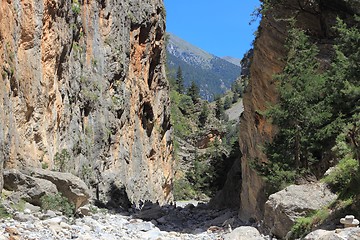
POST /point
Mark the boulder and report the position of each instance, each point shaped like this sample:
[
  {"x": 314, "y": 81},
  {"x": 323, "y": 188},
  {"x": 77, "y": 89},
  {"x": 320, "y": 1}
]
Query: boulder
[
  {"x": 244, "y": 233},
  {"x": 29, "y": 188},
  {"x": 154, "y": 212},
  {"x": 222, "y": 219},
  {"x": 72, "y": 187},
  {"x": 339, "y": 234},
  {"x": 284, "y": 207}
]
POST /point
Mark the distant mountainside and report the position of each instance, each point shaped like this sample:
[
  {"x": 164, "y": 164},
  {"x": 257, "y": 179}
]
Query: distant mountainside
[
  {"x": 212, "y": 74},
  {"x": 232, "y": 60}
]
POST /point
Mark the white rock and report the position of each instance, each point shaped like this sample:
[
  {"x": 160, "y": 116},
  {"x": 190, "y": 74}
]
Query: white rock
[
  {"x": 54, "y": 220},
  {"x": 244, "y": 233},
  {"x": 21, "y": 217},
  {"x": 27, "y": 211},
  {"x": 140, "y": 226},
  {"x": 65, "y": 225},
  {"x": 284, "y": 207}
]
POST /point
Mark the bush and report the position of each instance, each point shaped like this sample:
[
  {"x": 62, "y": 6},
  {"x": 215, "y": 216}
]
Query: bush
[
  {"x": 61, "y": 160},
  {"x": 343, "y": 174},
  {"x": 19, "y": 206},
  {"x": 44, "y": 165},
  {"x": 3, "y": 212},
  {"x": 57, "y": 202},
  {"x": 183, "y": 190},
  {"x": 304, "y": 225},
  {"x": 76, "y": 7},
  {"x": 277, "y": 176}
]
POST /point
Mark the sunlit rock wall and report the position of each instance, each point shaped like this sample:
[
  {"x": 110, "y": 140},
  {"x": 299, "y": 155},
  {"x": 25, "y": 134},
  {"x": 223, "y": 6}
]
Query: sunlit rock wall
[{"x": 86, "y": 78}]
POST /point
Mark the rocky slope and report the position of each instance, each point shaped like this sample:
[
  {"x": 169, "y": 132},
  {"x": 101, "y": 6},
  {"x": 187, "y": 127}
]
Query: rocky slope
[
  {"x": 317, "y": 18},
  {"x": 83, "y": 90}
]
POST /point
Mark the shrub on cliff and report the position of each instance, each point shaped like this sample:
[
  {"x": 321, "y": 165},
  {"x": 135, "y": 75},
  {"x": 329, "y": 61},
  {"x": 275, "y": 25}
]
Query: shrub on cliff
[{"x": 61, "y": 160}]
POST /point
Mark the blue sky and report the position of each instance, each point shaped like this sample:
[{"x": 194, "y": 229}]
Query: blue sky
[{"x": 219, "y": 27}]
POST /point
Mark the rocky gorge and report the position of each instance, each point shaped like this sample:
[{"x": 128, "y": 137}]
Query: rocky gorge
[{"x": 85, "y": 113}]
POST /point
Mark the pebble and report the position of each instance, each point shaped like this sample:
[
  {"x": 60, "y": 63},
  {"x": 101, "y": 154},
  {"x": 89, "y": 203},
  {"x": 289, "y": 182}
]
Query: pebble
[{"x": 177, "y": 223}]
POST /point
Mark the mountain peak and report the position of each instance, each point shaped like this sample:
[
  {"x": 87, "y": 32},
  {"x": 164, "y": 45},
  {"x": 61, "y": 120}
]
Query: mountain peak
[{"x": 212, "y": 74}]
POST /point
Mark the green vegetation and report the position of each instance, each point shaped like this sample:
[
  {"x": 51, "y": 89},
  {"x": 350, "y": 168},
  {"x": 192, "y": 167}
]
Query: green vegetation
[
  {"x": 219, "y": 109},
  {"x": 227, "y": 102},
  {"x": 86, "y": 173},
  {"x": 61, "y": 159},
  {"x": 90, "y": 91},
  {"x": 57, "y": 202},
  {"x": 304, "y": 225},
  {"x": 206, "y": 79},
  {"x": 3, "y": 212},
  {"x": 19, "y": 206},
  {"x": 179, "y": 87},
  {"x": 313, "y": 110},
  {"x": 345, "y": 177},
  {"x": 204, "y": 114},
  {"x": 193, "y": 92},
  {"x": 193, "y": 119},
  {"x": 44, "y": 165},
  {"x": 181, "y": 105},
  {"x": 183, "y": 190},
  {"x": 75, "y": 7}
]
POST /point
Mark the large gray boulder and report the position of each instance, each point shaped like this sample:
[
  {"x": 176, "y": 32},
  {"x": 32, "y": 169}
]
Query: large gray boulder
[
  {"x": 244, "y": 233},
  {"x": 29, "y": 188},
  {"x": 72, "y": 187},
  {"x": 339, "y": 234},
  {"x": 284, "y": 207}
]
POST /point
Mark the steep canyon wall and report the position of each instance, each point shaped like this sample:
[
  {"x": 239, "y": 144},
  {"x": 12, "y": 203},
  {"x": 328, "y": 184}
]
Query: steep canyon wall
[
  {"x": 83, "y": 90},
  {"x": 317, "y": 19}
]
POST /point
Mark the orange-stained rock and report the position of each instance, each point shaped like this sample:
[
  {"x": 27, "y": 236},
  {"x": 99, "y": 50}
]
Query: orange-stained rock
[{"x": 89, "y": 79}]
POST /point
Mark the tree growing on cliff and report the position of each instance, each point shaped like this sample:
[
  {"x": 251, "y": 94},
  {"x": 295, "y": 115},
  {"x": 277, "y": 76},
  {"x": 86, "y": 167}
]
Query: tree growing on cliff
[
  {"x": 179, "y": 81},
  {"x": 219, "y": 109},
  {"x": 61, "y": 160},
  {"x": 193, "y": 92},
  {"x": 299, "y": 114},
  {"x": 314, "y": 108},
  {"x": 227, "y": 102},
  {"x": 204, "y": 114},
  {"x": 343, "y": 84}
]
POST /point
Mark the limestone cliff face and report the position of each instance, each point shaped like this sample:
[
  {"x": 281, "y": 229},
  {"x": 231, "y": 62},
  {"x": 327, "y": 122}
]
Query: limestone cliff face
[
  {"x": 86, "y": 79},
  {"x": 317, "y": 18}
]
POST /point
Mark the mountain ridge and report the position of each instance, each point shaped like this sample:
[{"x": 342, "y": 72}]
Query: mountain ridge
[
  {"x": 211, "y": 73},
  {"x": 233, "y": 60}
]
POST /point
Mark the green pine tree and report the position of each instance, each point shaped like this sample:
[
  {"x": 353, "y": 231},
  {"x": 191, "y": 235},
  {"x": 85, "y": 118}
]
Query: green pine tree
[
  {"x": 227, "y": 102},
  {"x": 204, "y": 114},
  {"x": 194, "y": 92},
  {"x": 301, "y": 111},
  {"x": 219, "y": 109},
  {"x": 235, "y": 97},
  {"x": 179, "y": 81}
]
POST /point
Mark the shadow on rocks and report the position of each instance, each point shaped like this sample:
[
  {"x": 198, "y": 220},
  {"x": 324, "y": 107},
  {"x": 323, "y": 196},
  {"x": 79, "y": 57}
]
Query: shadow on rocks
[
  {"x": 117, "y": 202},
  {"x": 192, "y": 218}
]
